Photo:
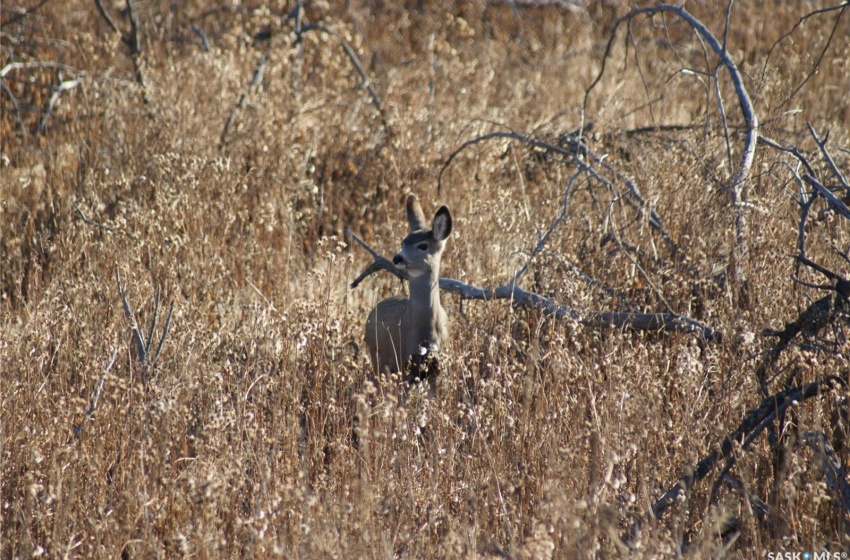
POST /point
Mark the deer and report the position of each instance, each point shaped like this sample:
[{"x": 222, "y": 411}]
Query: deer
[{"x": 405, "y": 334}]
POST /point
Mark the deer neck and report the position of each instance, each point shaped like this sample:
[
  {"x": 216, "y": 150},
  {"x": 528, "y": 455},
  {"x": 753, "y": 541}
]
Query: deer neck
[{"x": 424, "y": 301}]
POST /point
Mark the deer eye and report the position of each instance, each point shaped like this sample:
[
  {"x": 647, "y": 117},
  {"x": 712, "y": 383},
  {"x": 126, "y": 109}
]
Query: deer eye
[{"x": 422, "y": 246}]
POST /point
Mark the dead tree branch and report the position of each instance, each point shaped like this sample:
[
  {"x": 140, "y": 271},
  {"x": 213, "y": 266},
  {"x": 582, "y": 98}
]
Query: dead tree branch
[
  {"x": 633, "y": 197},
  {"x": 541, "y": 242},
  {"x": 134, "y": 40},
  {"x": 78, "y": 428},
  {"x": 736, "y": 186},
  {"x": 365, "y": 82},
  {"x": 670, "y": 322},
  {"x": 205, "y": 44},
  {"x": 836, "y": 203},
  {"x": 256, "y": 82},
  {"x": 598, "y": 170},
  {"x": 58, "y": 90},
  {"x": 143, "y": 344},
  {"x": 749, "y": 429},
  {"x": 831, "y": 467},
  {"x": 105, "y": 15},
  {"x": 821, "y": 142}
]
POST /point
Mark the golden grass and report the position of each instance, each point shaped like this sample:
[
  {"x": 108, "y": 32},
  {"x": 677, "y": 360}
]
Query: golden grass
[{"x": 258, "y": 431}]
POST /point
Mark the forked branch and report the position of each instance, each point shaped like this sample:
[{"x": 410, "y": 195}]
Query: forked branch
[
  {"x": 144, "y": 344},
  {"x": 638, "y": 321},
  {"x": 746, "y": 105},
  {"x": 749, "y": 429}
]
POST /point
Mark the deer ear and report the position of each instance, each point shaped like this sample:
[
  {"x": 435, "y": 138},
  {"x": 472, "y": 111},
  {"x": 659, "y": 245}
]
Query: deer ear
[
  {"x": 415, "y": 216},
  {"x": 442, "y": 226}
]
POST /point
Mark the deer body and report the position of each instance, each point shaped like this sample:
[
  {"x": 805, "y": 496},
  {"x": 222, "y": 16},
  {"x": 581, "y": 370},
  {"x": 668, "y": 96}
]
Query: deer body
[{"x": 399, "y": 327}]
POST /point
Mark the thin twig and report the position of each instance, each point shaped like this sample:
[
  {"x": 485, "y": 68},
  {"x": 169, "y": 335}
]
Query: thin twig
[
  {"x": 58, "y": 89},
  {"x": 138, "y": 336},
  {"x": 256, "y": 81},
  {"x": 90, "y": 222},
  {"x": 205, "y": 44},
  {"x": 543, "y": 238},
  {"x": 164, "y": 331},
  {"x": 105, "y": 14},
  {"x": 17, "y": 106},
  {"x": 826, "y": 156},
  {"x": 792, "y": 150},
  {"x": 78, "y": 429}
]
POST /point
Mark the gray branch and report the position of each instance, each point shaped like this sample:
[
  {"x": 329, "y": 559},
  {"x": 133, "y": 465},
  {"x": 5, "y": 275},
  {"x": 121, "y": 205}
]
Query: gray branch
[
  {"x": 828, "y": 158},
  {"x": 256, "y": 82},
  {"x": 639, "y": 321},
  {"x": 746, "y": 105},
  {"x": 830, "y": 465},
  {"x": 78, "y": 428}
]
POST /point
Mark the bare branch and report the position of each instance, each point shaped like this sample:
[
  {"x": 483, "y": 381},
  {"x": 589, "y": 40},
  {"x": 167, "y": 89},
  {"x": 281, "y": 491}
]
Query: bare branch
[
  {"x": 792, "y": 150},
  {"x": 753, "y": 424},
  {"x": 138, "y": 336},
  {"x": 746, "y": 106},
  {"x": 164, "y": 331},
  {"x": 256, "y": 81},
  {"x": 378, "y": 263},
  {"x": 105, "y": 14},
  {"x": 543, "y": 238},
  {"x": 747, "y": 109},
  {"x": 78, "y": 429},
  {"x": 722, "y": 110},
  {"x": 143, "y": 347},
  {"x": 134, "y": 40},
  {"x": 58, "y": 89},
  {"x": 641, "y": 205},
  {"x": 638, "y": 321},
  {"x": 17, "y": 106},
  {"x": 826, "y": 156},
  {"x": 38, "y": 64},
  {"x": 833, "y": 200},
  {"x": 830, "y": 465},
  {"x": 88, "y": 221},
  {"x": 205, "y": 44}
]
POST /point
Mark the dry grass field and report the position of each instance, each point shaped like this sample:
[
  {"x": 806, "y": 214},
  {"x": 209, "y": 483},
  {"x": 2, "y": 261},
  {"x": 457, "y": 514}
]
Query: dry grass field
[{"x": 217, "y": 152}]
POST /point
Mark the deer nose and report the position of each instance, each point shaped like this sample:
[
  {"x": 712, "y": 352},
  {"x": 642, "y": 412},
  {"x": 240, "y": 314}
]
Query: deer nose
[{"x": 397, "y": 260}]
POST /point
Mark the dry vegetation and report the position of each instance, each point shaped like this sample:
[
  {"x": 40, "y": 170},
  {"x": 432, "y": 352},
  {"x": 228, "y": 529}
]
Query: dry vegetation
[{"x": 227, "y": 178}]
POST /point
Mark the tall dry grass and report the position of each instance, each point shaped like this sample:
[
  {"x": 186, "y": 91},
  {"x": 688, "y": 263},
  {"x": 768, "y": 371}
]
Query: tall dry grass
[{"x": 259, "y": 431}]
